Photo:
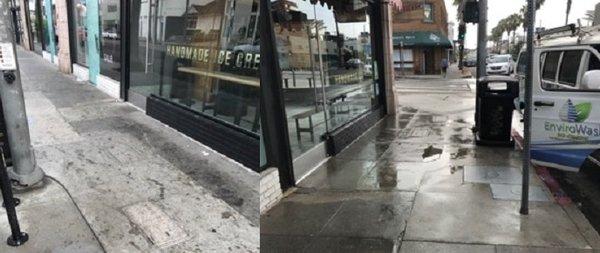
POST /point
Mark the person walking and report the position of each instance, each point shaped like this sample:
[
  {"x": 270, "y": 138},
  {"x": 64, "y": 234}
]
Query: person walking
[{"x": 444, "y": 67}]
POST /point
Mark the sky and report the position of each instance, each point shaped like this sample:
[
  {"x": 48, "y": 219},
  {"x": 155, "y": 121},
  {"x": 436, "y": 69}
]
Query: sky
[{"x": 552, "y": 14}]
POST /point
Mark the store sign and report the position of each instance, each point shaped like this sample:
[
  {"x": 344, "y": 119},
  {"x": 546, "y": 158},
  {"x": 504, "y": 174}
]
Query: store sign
[
  {"x": 7, "y": 57},
  {"x": 243, "y": 56}
]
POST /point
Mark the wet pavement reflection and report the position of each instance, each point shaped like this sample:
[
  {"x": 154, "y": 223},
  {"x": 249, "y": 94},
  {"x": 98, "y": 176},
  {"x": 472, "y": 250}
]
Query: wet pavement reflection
[{"x": 399, "y": 179}]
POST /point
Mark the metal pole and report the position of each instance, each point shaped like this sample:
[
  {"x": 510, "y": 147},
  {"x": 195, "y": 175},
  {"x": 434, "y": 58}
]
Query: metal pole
[
  {"x": 321, "y": 70},
  {"x": 24, "y": 169},
  {"x": 527, "y": 113},
  {"x": 17, "y": 237},
  {"x": 482, "y": 39}
]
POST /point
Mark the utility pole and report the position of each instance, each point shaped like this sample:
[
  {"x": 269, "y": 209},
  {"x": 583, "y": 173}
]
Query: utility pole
[
  {"x": 24, "y": 170},
  {"x": 482, "y": 39},
  {"x": 530, "y": 19}
]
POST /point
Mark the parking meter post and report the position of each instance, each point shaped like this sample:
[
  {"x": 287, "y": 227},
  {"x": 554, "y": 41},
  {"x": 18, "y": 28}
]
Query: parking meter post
[
  {"x": 530, "y": 19},
  {"x": 24, "y": 169},
  {"x": 17, "y": 237}
]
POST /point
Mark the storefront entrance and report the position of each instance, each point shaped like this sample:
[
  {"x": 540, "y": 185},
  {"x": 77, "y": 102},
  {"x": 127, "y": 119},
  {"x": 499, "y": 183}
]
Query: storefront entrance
[{"x": 96, "y": 43}]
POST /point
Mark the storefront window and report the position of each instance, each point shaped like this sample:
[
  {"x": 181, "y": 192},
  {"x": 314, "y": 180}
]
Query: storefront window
[
  {"x": 49, "y": 26},
  {"x": 324, "y": 52},
  {"x": 204, "y": 55},
  {"x": 36, "y": 22},
  {"x": 110, "y": 54},
  {"x": 79, "y": 20}
]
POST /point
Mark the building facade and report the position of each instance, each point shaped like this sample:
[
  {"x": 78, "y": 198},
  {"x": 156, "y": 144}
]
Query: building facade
[
  {"x": 420, "y": 35},
  {"x": 194, "y": 65},
  {"x": 323, "y": 83}
]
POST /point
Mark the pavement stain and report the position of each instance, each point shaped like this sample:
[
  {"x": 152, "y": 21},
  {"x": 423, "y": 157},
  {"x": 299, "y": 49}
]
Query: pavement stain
[{"x": 431, "y": 153}]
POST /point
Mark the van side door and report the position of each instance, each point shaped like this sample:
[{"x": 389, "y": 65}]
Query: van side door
[{"x": 565, "y": 116}]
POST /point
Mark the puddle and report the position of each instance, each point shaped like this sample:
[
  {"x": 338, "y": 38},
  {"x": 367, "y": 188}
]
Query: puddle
[
  {"x": 456, "y": 138},
  {"x": 409, "y": 109},
  {"x": 431, "y": 153},
  {"x": 461, "y": 153},
  {"x": 455, "y": 168}
]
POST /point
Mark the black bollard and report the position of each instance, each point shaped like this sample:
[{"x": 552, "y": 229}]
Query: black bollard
[{"x": 17, "y": 238}]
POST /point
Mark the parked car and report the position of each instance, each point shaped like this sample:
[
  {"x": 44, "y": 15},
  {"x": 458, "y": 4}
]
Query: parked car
[
  {"x": 353, "y": 63},
  {"x": 470, "y": 62},
  {"x": 500, "y": 65}
]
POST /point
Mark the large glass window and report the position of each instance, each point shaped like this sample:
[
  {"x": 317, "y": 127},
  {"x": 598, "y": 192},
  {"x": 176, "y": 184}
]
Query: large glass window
[
  {"x": 35, "y": 20},
  {"x": 79, "y": 20},
  {"x": 329, "y": 74},
  {"x": 204, "y": 55},
  {"x": 110, "y": 31}
]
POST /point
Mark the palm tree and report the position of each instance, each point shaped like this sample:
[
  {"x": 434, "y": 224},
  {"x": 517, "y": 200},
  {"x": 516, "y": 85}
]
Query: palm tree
[
  {"x": 513, "y": 22},
  {"x": 569, "y": 2},
  {"x": 496, "y": 37},
  {"x": 589, "y": 17}
]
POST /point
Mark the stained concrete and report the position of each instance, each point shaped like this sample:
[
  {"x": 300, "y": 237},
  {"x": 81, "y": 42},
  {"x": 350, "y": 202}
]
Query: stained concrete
[
  {"x": 110, "y": 155},
  {"x": 417, "y": 182},
  {"x": 52, "y": 221}
]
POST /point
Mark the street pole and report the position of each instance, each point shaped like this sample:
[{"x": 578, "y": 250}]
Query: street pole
[
  {"x": 482, "y": 39},
  {"x": 530, "y": 19},
  {"x": 24, "y": 169}
]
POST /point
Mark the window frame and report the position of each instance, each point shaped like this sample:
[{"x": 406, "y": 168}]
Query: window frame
[{"x": 425, "y": 19}]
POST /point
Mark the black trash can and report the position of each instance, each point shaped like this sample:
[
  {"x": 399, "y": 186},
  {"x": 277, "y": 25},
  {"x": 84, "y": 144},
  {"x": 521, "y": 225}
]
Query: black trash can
[{"x": 495, "y": 105}]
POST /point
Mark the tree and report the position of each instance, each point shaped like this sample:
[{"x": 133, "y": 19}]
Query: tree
[
  {"x": 569, "y": 2},
  {"x": 589, "y": 17}
]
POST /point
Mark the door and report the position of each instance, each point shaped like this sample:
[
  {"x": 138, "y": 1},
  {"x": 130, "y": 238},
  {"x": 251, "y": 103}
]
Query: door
[
  {"x": 429, "y": 61},
  {"x": 93, "y": 39},
  {"x": 566, "y": 121}
]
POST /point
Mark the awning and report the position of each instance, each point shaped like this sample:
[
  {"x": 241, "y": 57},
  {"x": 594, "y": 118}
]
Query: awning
[{"x": 425, "y": 39}]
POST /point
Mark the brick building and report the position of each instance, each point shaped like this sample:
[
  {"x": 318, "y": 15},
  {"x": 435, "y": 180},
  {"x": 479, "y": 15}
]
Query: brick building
[{"x": 420, "y": 36}]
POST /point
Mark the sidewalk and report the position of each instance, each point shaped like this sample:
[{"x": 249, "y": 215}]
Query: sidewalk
[
  {"x": 141, "y": 186},
  {"x": 416, "y": 183}
]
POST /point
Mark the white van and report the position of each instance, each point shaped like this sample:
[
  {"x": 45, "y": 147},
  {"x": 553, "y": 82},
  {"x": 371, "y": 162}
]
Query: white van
[{"x": 566, "y": 97}]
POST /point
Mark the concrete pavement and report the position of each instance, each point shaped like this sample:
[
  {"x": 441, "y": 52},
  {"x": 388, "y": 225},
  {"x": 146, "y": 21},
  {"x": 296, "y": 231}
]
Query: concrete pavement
[
  {"x": 417, "y": 183},
  {"x": 131, "y": 184}
]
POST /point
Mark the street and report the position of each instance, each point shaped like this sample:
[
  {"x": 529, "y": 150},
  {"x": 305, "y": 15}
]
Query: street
[{"x": 416, "y": 182}]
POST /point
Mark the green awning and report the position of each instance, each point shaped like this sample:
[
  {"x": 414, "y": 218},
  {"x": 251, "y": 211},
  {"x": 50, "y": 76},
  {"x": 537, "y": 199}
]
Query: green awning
[{"x": 424, "y": 39}]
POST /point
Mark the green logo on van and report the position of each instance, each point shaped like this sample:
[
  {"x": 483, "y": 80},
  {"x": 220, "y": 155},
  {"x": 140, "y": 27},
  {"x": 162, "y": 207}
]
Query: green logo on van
[{"x": 575, "y": 113}]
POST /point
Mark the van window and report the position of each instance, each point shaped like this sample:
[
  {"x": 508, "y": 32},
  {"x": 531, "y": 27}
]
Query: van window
[
  {"x": 551, "y": 66},
  {"x": 522, "y": 64},
  {"x": 594, "y": 63},
  {"x": 563, "y": 70},
  {"x": 569, "y": 68}
]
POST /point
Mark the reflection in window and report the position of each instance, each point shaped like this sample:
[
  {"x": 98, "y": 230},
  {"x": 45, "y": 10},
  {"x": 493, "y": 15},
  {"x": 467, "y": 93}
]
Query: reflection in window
[
  {"x": 35, "y": 13},
  {"x": 204, "y": 55},
  {"x": 79, "y": 20},
  {"x": 110, "y": 45},
  {"x": 328, "y": 70}
]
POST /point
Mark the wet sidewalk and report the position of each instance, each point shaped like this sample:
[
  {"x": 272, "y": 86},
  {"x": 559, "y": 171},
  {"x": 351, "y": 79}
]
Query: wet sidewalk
[
  {"x": 131, "y": 184},
  {"x": 416, "y": 183}
]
